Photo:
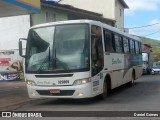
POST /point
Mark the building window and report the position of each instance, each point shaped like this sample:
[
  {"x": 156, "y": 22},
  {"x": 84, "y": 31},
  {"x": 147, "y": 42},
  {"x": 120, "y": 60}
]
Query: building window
[
  {"x": 50, "y": 17},
  {"x": 120, "y": 12}
]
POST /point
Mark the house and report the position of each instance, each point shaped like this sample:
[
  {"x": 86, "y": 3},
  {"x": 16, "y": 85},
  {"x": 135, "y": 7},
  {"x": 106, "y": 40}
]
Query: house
[
  {"x": 52, "y": 11},
  {"x": 110, "y": 9},
  {"x": 146, "y": 48}
]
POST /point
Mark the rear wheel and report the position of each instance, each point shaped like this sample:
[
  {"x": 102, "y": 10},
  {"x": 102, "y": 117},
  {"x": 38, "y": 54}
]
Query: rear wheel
[
  {"x": 149, "y": 71},
  {"x": 131, "y": 83}
]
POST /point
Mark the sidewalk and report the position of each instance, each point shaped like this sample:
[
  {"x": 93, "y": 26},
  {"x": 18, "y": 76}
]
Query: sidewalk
[{"x": 13, "y": 94}]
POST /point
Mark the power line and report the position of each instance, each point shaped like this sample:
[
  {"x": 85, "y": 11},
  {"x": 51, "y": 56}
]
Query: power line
[
  {"x": 140, "y": 26},
  {"x": 153, "y": 33}
]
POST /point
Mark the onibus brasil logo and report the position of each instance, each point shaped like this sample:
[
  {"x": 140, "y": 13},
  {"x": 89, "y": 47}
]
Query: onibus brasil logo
[{"x": 21, "y": 114}]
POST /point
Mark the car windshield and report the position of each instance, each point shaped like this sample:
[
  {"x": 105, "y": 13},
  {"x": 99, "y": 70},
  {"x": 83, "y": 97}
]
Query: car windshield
[
  {"x": 62, "y": 48},
  {"x": 157, "y": 67}
]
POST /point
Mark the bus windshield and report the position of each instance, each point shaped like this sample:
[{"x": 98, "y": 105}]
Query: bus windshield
[{"x": 61, "y": 48}]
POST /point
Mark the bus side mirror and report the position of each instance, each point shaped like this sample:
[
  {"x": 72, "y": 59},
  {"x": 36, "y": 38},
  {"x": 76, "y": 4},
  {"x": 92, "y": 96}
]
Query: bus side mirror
[{"x": 21, "y": 52}]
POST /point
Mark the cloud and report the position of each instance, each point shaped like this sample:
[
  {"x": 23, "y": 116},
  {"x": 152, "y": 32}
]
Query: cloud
[
  {"x": 143, "y": 5},
  {"x": 154, "y": 21}
]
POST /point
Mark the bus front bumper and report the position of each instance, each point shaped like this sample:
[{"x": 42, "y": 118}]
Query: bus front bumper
[{"x": 78, "y": 91}]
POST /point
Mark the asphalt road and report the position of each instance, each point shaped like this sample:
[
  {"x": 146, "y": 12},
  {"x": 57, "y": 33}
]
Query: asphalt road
[
  {"x": 143, "y": 96},
  {"x": 12, "y": 94}
]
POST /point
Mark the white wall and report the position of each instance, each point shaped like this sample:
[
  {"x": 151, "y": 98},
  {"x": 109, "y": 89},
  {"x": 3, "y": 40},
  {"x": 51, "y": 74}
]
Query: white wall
[
  {"x": 109, "y": 8},
  {"x": 105, "y": 7},
  {"x": 11, "y": 29},
  {"x": 119, "y": 19}
]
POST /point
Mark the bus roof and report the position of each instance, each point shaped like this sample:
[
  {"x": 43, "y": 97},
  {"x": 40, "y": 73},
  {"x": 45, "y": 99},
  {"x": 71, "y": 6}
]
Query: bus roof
[{"x": 98, "y": 23}]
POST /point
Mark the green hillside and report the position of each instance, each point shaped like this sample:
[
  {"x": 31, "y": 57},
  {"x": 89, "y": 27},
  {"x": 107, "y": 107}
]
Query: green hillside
[{"x": 155, "y": 44}]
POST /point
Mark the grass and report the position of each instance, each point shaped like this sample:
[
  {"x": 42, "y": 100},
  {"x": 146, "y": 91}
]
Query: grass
[{"x": 155, "y": 44}]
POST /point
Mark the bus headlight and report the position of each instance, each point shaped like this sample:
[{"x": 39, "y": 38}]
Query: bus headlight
[
  {"x": 81, "y": 81},
  {"x": 30, "y": 82}
]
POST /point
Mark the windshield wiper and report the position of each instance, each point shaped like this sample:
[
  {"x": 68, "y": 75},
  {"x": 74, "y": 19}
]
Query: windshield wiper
[
  {"x": 49, "y": 56},
  {"x": 55, "y": 59}
]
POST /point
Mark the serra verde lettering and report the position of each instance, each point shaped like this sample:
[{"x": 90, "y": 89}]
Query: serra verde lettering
[
  {"x": 43, "y": 83},
  {"x": 116, "y": 61}
]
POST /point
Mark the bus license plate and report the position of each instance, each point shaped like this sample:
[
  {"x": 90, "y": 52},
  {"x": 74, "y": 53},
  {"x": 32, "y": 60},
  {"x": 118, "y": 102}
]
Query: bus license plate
[{"x": 55, "y": 91}]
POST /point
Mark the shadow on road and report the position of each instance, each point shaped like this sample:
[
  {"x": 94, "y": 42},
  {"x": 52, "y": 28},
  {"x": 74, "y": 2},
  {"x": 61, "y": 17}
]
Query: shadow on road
[{"x": 79, "y": 102}]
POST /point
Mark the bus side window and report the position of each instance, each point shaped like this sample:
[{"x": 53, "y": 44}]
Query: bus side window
[
  {"x": 137, "y": 47},
  {"x": 132, "y": 48},
  {"x": 108, "y": 41},
  {"x": 97, "y": 50},
  {"x": 118, "y": 43},
  {"x": 113, "y": 43},
  {"x": 125, "y": 45},
  {"x": 140, "y": 48}
]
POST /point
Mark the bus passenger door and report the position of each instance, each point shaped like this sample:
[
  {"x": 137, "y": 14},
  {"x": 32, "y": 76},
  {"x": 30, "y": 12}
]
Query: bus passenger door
[{"x": 97, "y": 59}]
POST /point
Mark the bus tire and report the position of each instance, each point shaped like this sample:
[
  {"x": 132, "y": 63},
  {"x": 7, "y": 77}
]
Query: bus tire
[
  {"x": 131, "y": 83},
  {"x": 103, "y": 95}
]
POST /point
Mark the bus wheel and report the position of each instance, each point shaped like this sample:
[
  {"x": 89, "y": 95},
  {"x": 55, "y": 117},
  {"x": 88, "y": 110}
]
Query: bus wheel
[
  {"x": 105, "y": 91},
  {"x": 131, "y": 83}
]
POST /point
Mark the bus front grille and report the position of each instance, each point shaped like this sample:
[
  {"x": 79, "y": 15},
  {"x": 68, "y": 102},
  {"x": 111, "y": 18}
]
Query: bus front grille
[{"x": 62, "y": 92}]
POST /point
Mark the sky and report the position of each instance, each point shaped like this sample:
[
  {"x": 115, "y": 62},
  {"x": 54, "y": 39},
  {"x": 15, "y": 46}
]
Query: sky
[{"x": 143, "y": 13}]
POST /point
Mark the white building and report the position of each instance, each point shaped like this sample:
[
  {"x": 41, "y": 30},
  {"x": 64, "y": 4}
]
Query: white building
[
  {"x": 111, "y": 9},
  {"x": 11, "y": 29}
]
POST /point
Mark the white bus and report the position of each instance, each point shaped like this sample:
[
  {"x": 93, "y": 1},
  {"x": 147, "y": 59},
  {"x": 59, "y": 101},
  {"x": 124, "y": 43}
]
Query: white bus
[{"x": 79, "y": 59}]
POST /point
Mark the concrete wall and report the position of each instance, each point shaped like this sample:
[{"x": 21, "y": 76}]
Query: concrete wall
[
  {"x": 61, "y": 15},
  {"x": 11, "y": 29},
  {"x": 109, "y": 8},
  {"x": 105, "y": 7},
  {"x": 41, "y": 17},
  {"x": 146, "y": 48},
  {"x": 119, "y": 16}
]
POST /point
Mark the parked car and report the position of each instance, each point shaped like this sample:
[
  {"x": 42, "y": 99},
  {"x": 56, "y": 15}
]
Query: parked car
[{"x": 155, "y": 70}]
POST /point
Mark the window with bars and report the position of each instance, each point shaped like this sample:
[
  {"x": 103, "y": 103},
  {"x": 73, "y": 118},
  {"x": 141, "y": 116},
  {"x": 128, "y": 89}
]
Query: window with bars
[{"x": 50, "y": 17}]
